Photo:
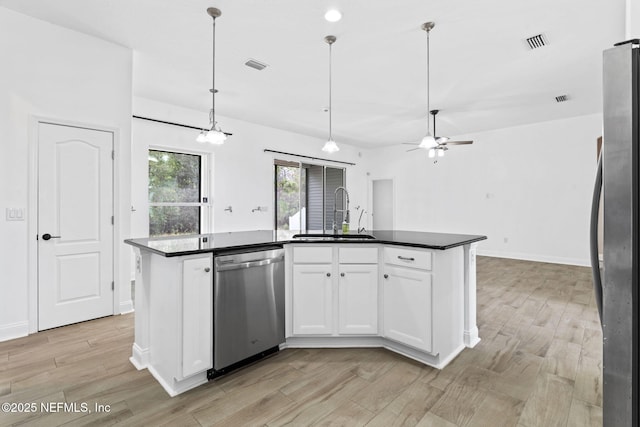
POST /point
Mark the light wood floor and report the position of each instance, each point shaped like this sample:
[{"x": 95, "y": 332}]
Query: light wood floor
[{"x": 539, "y": 364}]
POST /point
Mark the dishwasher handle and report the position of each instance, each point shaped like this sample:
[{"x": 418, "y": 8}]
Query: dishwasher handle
[{"x": 249, "y": 264}]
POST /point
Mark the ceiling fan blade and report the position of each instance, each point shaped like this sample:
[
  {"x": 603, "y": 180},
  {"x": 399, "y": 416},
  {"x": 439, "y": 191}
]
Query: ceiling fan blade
[
  {"x": 410, "y": 143},
  {"x": 414, "y": 149},
  {"x": 459, "y": 142}
]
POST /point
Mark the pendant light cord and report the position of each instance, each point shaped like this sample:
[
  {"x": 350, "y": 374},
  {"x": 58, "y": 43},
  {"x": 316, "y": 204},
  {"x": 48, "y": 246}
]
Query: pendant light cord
[
  {"x": 330, "y": 107},
  {"x": 213, "y": 79},
  {"x": 428, "y": 68}
]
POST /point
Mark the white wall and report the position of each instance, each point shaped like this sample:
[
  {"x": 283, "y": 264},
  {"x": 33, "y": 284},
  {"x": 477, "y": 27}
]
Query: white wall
[
  {"x": 242, "y": 171},
  {"x": 530, "y": 185},
  {"x": 52, "y": 72},
  {"x": 632, "y": 27}
]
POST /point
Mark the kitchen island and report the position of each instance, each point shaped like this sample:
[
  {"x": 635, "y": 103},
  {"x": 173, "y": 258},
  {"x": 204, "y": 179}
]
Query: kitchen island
[{"x": 409, "y": 292}]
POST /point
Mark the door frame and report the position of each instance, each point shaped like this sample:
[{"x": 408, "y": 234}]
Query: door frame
[
  {"x": 32, "y": 213},
  {"x": 392, "y": 178}
]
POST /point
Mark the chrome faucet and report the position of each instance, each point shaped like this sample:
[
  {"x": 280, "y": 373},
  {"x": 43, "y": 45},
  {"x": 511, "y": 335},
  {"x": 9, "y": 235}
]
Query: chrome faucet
[
  {"x": 360, "y": 230},
  {"x": 346, "y": 211}
]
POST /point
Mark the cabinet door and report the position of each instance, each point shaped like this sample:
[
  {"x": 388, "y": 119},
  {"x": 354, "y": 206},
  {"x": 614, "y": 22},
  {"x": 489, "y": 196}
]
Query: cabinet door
[
  {"x": 407, "y": 307},
  {"x": 312, "y": 299},
  {"x": 358, "y": 299},
  {"x": 197, "y": 311}
]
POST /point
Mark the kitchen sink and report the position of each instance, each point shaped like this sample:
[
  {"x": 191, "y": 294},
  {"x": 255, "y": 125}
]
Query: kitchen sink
[{"x": 331, "y": 237}]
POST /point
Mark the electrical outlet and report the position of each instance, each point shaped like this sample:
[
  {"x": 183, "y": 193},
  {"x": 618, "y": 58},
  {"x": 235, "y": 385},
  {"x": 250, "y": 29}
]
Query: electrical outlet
[{"x": 15, "y": 214}]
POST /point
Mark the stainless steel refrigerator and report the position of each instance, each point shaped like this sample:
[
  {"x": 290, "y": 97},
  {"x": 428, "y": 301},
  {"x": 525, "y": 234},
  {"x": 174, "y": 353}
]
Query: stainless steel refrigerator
[{"x": 616, "y": 286}]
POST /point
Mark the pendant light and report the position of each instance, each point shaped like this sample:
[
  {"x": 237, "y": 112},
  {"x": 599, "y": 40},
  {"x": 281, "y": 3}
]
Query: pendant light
[
  {"x": 214, "y": 135},
  {"x": 330, "y": 146},
  {"x": 428, "y": 142}
]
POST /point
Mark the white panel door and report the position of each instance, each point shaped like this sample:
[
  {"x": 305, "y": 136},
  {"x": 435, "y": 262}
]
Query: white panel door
[
  {"x": 358, "y": 299},
  {"x": 312, "y": 299},
  {"x": 197, "y": 316},
  {"x": 407, "y": 306},
  {"x": 75, "y": 231}
]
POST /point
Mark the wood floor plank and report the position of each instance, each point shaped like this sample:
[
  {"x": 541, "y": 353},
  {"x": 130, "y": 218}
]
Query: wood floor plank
[
  {"x": 588, "y": 385},
  {"x": 234, "y": 400},
  {"x": 582, "y": 414},
  {"x": 432, "y": 420},
  {"x": 259, "y": 412},
  {"x": 549, "y": 404},
  {"x": 508, "y": 408},
  {"x": 459, "y": 403},
  {"x": 347, "y": 414},
  {"x": 387, "y": 387},
  {"x": 562, "y": 359}
]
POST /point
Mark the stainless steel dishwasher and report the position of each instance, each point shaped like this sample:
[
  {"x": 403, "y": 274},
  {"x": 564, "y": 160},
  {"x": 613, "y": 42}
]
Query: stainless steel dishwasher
[{"x": 248, "y": 308}]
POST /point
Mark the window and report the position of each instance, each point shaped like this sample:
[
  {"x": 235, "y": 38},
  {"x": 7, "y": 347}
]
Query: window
[
  {"x": 177, "y": 204},
  {"x": 305, "y": 195}
]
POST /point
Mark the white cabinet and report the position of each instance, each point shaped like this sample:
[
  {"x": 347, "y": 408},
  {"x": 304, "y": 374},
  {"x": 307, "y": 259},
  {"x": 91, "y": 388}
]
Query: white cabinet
[
  {"x": 312, "y": 299},
  {"x": 407, "y": 306},
  {"x": 334, "y": 290},
  {"x": 358, "y": 299},
  {"x": 180, "y": 320},
  {"x": 197, "y": 335}
]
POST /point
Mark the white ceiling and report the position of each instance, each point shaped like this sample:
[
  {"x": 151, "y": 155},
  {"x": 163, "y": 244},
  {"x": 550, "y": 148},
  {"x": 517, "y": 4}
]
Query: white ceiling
[{"x": 483, "y": 75}]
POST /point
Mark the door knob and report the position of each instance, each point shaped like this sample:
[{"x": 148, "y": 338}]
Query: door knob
[
  {"x": 47, "y": 236},
  {"x": 386, "y": 276},
  {"x": 342, "y": 274},
  {"x": 207, "y": 269},
  {"x": 328, "y": 274}
]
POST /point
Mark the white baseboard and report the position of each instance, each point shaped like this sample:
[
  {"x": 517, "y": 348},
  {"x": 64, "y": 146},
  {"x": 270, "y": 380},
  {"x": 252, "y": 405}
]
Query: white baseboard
[
  {"x": 535, "y": 257},
  {"x": 126, "y": 307},
  {"x": 14, "y": 330}
]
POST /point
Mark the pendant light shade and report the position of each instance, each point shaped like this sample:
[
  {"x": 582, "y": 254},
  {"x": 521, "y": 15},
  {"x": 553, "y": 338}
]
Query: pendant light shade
[
  {"x": 214, "y": 135},
  {"x": 428, "y": 141},
  {"x": 330, "y": 146}
]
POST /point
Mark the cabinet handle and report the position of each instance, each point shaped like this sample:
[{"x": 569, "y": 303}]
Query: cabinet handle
[
  {"x": 328, "y": 274},
  {"x": 341, "y": 274},
  {"x": 207, "y": 269},
  {"x": 404, "y": 258},
  {"x": 386, "y": 276}
]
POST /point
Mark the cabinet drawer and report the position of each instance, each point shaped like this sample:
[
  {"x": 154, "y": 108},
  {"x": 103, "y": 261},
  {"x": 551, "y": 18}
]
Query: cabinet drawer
[
  {"x": 407, "y": 257},
  {"x": 358, "y": 255},
  {"x": 312, "y": 254}
]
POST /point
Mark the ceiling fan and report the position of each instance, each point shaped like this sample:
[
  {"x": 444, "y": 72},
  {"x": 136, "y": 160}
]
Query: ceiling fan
[
  {"x": 441, "y": 141},
  {"x": 430, "y": 142}
]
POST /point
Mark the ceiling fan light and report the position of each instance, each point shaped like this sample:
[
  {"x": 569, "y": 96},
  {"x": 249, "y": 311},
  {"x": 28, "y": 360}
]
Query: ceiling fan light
[
  {"x": 432, "y": 153},
  {"x": 440, "y": 153},
  {"x": 428, "y": 141},
  {"x": 202, "y": 137},
  {"x": 216, "y": 137},
  {"x": 330, "y": 147}
]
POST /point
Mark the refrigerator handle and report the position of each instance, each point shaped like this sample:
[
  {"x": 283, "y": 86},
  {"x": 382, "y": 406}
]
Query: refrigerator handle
[{"x": 595, "y": 257}]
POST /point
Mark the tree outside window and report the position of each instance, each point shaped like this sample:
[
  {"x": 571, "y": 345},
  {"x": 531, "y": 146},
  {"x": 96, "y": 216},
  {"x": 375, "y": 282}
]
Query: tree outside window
[{"x": 175, "y": 204}]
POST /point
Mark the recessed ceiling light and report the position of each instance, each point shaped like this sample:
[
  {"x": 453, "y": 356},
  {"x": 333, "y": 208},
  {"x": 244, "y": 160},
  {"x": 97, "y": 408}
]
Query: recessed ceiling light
[{"x": 333, "y": 15}]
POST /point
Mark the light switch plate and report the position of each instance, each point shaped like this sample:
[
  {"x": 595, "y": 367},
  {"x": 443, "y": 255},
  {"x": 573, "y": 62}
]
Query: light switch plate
[{"x": 15, "y": 214}]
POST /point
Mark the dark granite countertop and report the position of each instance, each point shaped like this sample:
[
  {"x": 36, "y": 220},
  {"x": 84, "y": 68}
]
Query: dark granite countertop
[{"x": 247, "y": 240}]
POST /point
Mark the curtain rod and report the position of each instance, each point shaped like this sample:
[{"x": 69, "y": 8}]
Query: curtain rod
[
  {"x": 266, "y": 150},
  {"x": 173, "y": 123}
]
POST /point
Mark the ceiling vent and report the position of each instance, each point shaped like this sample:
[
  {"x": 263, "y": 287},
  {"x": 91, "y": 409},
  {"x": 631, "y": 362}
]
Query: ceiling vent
[
  {"x": 537, "y": 41},
  {"x": 562, "y": 98},
  {"x": 255, "y": 64}
]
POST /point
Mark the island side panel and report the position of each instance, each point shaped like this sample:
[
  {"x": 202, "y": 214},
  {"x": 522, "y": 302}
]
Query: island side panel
[
  {"x": 471, "y": 336},
  {"x": 140, "y": 350},
  {"x": 448, "y": 304}
]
